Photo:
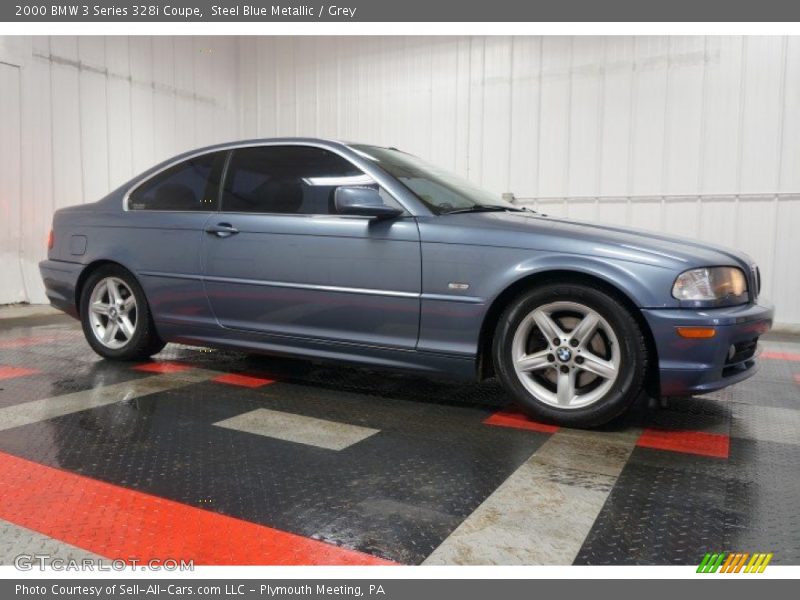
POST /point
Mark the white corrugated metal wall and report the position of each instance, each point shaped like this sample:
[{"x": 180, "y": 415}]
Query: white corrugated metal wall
[
  {"x": 698, "y": 136},
  {"x": 79, "y": 116},
  {"x": 691, "y": 135},
  {"x": 10, "y": 150}
]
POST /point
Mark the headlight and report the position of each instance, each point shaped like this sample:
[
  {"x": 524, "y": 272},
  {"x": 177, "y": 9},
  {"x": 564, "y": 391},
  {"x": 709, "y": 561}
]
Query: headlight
[{"x": 710, "y": 283}]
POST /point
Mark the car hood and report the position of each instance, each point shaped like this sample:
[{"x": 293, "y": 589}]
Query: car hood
[{"x": 528, "y": 230}]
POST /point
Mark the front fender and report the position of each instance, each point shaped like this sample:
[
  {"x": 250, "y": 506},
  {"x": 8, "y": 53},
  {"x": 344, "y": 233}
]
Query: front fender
[
  {"x": 647, "y": 286},
  {"x": 452, "y": 319}
]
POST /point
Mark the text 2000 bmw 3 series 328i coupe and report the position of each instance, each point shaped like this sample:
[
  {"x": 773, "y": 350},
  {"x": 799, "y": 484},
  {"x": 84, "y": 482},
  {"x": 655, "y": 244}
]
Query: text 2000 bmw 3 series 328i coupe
[{"x": 369, "y": 255}]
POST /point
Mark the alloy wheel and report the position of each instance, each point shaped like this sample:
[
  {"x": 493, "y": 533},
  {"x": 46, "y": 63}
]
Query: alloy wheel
[
  {"x": 113, "y": 312},
  {"x": 566, "y": 355}
]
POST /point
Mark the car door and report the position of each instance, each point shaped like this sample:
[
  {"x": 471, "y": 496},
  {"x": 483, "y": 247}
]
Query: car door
[
  {"x": 161, "y": 234},
  {"x": 280, "y": 261}
]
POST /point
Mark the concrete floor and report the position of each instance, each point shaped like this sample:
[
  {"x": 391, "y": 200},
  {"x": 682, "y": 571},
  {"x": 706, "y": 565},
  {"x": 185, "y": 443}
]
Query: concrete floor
[{"x": 226, "y": 458}]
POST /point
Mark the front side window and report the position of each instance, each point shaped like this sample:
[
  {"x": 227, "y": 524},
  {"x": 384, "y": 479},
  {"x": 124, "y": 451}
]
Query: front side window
[
  {"x": 298, "y": 180},
  {"x": 192, "y": 185}
]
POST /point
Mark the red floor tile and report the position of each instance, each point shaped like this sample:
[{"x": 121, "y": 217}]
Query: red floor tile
[
  {"x": 519, "y": 421},
  {"x": 162, "y": 367},
  {"x": 243, "y": 380},
  {"x": 11, "y": 372},
  {"x": 117, "y": 522},
  {"x": 688, "y": 442},
  {"x": 774, "y": 355}
]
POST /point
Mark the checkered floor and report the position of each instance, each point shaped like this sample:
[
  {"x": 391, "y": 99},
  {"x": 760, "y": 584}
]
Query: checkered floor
[{"x": 225, "y": 458}]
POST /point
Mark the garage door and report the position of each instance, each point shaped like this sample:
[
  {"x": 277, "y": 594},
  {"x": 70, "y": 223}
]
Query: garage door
[{"x": 11, "y": 285}]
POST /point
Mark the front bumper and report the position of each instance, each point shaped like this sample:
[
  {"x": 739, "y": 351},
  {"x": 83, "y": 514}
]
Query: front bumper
[
  {"x": 695, "y": 366},
  {"x": 60, "y": 282}
]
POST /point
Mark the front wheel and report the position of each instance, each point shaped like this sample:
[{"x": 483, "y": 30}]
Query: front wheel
[
  {"x": 570, "y": 354},
  {"x": 115, "y": 316}
]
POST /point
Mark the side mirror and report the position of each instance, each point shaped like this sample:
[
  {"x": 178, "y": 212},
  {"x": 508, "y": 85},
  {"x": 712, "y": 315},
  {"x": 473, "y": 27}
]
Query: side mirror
[{"x": 363, "y": 201}]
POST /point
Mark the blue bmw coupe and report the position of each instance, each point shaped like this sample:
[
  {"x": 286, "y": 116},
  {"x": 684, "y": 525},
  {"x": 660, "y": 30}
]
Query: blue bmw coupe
[{"x": 357, "y": 253}]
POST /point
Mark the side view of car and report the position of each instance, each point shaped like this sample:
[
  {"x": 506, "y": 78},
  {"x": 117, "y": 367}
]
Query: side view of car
[{"x": 369, "y": 255}]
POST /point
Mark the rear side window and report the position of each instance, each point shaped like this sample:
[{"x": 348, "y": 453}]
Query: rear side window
[
  {"x": 287, "y": 180},
  {"x": 192, "y": 185}
]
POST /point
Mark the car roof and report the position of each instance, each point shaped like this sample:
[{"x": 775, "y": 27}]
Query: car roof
[{"x": 276, "y": 140}]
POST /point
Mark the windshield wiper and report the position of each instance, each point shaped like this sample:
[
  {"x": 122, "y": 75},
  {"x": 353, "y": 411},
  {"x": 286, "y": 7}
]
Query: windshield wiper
[{"x": 483, "y": 208}]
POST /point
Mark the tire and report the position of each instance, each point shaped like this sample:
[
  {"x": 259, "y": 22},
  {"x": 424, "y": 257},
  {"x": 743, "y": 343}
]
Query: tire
[
  {"x": 135, "y": 336},
  {"x": 586, "y": 380}
]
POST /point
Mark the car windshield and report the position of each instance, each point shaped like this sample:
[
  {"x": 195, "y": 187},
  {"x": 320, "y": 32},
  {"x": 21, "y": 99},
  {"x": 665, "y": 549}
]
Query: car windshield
[{"x": 441, "y": 191}]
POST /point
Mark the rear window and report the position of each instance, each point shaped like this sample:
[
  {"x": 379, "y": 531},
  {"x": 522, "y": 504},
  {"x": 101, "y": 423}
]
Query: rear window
[{"x": 192, "y": 185}]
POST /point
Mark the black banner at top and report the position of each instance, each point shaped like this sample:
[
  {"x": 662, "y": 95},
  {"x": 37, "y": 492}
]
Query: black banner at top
[{"x": 107, "y": 11}]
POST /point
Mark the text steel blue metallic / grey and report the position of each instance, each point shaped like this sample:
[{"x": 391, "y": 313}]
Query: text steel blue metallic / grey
[{"x": 365, "y": 254}]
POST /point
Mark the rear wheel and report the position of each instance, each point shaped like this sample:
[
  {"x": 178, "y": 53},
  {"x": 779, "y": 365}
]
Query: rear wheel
[
  {"x": 570, "y": 354},
  {"x": 116, "y": 317}
]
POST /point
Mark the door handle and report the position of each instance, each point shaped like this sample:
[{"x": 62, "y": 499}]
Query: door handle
[{"x": 222, "y": 230}]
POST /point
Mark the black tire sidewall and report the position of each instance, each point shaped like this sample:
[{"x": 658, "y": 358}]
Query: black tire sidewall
[
  {"x": 145, "y": 341},
  {"x": 633, "y": 354}
]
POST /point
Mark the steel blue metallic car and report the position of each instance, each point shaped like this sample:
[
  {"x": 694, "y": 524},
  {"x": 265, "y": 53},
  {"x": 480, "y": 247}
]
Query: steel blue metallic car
[{"x": 368, "y": 255}]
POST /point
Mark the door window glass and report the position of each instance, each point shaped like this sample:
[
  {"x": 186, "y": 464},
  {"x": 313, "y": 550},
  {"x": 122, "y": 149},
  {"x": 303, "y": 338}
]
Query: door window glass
[{"x": 287, "y": 180}]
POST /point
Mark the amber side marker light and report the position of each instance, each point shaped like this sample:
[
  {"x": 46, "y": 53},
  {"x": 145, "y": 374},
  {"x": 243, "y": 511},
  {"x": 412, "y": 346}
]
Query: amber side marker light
[
  {"x": 50, "y": 240},
  {"x": 696, "y": 332}
]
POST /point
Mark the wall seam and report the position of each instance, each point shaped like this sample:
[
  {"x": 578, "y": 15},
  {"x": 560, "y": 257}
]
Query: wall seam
[
  {"x": 537, "y": 165},
  {"x": 565, "y": 187},
  {"x": 601, "y": 116},
  {"x": 510, "y": 131},
  {"x": 81, "y": 155},
  {"x": 665, "y": 139},
  {"x": 740, "y": 137},
  {"x": 703, "y": 132},
  {"x": 634, "y": 109},
  {"x": 779, "y": 142}
]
